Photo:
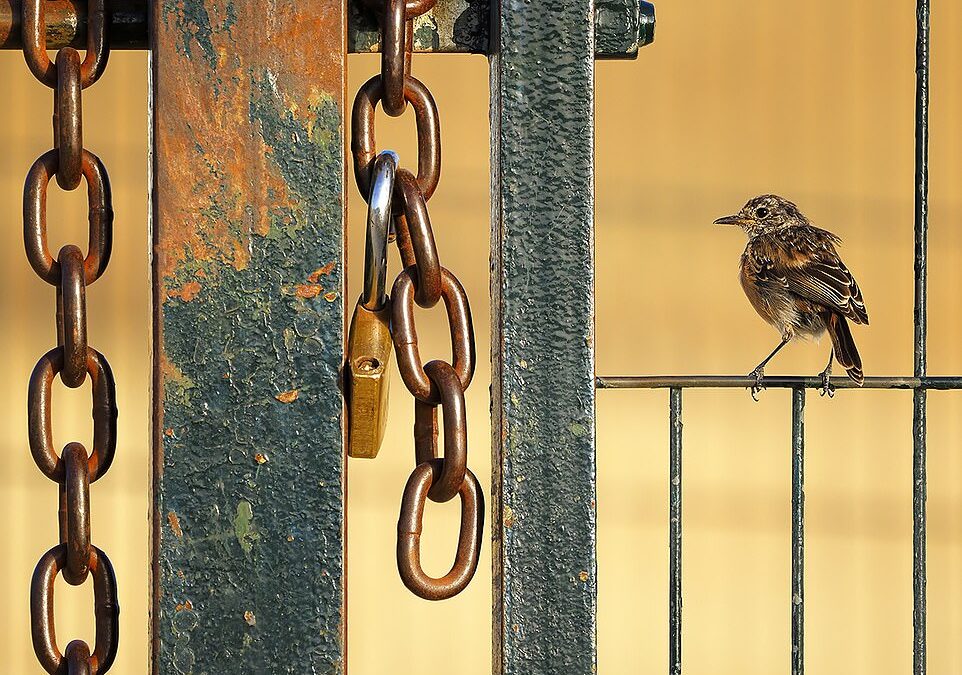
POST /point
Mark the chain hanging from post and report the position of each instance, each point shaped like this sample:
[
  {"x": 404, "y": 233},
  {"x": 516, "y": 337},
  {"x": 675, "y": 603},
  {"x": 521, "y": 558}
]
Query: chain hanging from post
[
  {"x": 71, "y": 272},
  {"x": 423, "y": 282}
]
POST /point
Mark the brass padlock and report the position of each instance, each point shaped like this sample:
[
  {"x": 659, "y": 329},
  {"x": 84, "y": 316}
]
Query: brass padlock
[
  {"x": 369, "y": 354},
  {"x": 369, "y": 340}
]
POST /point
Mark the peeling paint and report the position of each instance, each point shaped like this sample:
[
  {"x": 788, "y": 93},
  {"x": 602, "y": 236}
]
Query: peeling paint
[
  {"x": 175, "y": 524},
  {"x": 307, "y": 291},
  {"x": 288, "y": 396},
  {"x": 316, "y": 275},
  {"x": 187, "y": 292},
  {"x": 244, "y": 526},
  {"x": 248, "y": 184},
  {"x": 509, "y": 517}
]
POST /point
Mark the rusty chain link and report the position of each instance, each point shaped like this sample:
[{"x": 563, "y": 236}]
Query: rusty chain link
[
  {"x": 424, "y": 282},
  {"x": 73, "y": 359}
]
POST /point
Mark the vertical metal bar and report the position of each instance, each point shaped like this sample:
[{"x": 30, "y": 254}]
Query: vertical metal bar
[
  {"x": 542, "y": 92},
  {"x": 921, "y": 302},
  {"x": 674, "y": 535},
  {"x": 247, "y": 218},
  {"x": 798, "y": 531}
]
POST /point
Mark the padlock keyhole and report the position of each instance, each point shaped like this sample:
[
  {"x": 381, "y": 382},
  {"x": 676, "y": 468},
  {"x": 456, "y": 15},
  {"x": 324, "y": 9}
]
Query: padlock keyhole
[{"x": 368, "y": 364}]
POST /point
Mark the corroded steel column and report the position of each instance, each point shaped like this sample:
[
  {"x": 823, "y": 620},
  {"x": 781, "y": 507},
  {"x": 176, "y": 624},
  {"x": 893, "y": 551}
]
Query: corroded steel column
[
  {"x": 247, "y": 218},
  {"x": 542, "y": 98}
]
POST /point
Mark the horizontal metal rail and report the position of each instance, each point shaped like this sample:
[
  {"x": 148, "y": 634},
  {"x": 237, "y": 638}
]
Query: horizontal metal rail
[
  {"x": 453, "y": 26},
  {"x": 772, "y": 382}
]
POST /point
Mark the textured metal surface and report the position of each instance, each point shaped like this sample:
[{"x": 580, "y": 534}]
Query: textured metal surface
[
  {"x": 621, "y": 26},
  {"x": 674, "y": 533},
  {"x": 798, "y": 531},
  {"x": 920, "y": 325},
  {"x": 67, "y": 24},
  {"x": 247, "y": 220},
  {"x": 543, "y": 427}
]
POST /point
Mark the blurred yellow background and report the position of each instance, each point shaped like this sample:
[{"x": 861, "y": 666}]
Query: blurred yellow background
[{"x": 811, "y": 100}]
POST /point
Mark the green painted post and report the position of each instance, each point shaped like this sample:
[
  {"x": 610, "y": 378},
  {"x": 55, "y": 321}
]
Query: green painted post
[
  {"x": 542, "y": 102},
  {"x": 247, "y": 218}
]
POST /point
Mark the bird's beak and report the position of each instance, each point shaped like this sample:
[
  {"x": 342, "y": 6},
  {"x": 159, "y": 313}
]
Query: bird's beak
[{"x": 730, "y": 220}]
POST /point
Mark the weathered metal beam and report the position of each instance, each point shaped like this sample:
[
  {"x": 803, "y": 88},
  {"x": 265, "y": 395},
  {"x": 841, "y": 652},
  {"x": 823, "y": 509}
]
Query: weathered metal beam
[
  {"x": 543, "y": 390},
  {"x": 675, "y": 531},
  {"x": 919, "y": 397},
  {"x": 621, "y": 26},
  {"x": 247, "y": 218}
]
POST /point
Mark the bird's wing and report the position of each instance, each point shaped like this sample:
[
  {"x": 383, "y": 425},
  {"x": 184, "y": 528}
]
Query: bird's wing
[{"x": 824, "y": 279}]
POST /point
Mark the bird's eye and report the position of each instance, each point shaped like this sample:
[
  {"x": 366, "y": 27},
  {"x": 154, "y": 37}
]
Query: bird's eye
[{"x": 761, "y": 212}]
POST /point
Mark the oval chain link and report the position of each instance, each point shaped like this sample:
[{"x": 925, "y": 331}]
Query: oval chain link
[
  {"x": 72, "y": 271},
  {"x": 446, "y": 486},
  {"x": 409, "y": 528},
  {"x": 100, "y": 217},
  {"x": 72, "y": 316},
  {"x": 424, "y": 282},
  {"x": 364, "y": 142},
  {"x": 39, "y": 431},
  {"x": 404, "y": 332},
  {"x": 106, "y": 610},
  {"x": 415, "y": 240},
  {"x": 68, "y": 119},
  {"x": 395, "y": 57},
  {"x": 34, "y": 33}
]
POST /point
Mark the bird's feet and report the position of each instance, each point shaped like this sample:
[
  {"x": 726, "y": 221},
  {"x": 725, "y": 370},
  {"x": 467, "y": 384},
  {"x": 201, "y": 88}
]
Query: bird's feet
[
  {"x": 759, "y": 384},
  {"x": 827, "y": 387}
]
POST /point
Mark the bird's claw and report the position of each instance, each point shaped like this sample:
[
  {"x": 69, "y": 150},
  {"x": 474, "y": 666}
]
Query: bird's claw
[
  {"x": 826, "y": 387},
  {"x": 759, "y": 385}
]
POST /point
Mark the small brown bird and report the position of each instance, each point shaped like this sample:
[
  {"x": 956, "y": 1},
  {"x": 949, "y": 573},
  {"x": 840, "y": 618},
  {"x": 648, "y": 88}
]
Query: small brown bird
[{"x": 796, "y": 281}]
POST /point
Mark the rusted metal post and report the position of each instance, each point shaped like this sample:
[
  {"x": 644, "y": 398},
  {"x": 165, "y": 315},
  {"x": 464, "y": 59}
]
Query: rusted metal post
[
  {"x": 543, "y": 389},
  {"x": 247, "y": 218}
]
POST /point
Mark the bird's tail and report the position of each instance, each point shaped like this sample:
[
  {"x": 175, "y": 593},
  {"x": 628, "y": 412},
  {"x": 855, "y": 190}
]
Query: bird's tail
[{"x": 844, "y": 346}]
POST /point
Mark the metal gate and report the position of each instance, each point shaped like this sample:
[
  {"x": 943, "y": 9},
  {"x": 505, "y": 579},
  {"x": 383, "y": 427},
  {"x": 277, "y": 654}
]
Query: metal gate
[{"x": 226, "y": 293}]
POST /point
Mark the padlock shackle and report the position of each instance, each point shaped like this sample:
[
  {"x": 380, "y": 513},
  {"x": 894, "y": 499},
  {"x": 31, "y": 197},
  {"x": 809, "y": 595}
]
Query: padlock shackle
[{"x": 378, "y": 226}]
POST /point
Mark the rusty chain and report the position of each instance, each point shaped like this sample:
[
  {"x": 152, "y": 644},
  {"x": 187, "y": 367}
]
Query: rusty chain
[
  {"x": 73, "y": 359},
  {"x": 423, "y": 282}
]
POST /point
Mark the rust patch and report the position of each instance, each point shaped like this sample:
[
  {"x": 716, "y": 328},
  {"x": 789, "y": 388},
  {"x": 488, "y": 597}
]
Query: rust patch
[
  {"x": 322, "y": 272},
  {"x": 509, "y": 517},
  {"x": 209, "y": 218},
  {"x": 175, "y": 525},
  {"x": 187, "y": 292},
  {"x": 186, "y": 605},
  {"x": 288, "y": 396},
  {"x": 307, "y": 291}
]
